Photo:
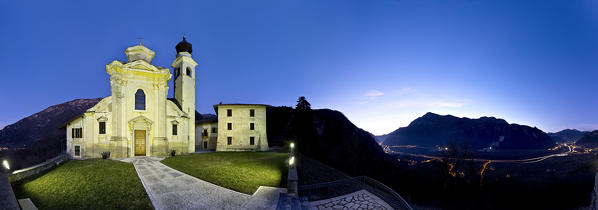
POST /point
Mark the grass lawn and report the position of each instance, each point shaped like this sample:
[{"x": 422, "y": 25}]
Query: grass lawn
[
  {"x": 240, "y": 171},
  {"x": 86, "y": 184}
]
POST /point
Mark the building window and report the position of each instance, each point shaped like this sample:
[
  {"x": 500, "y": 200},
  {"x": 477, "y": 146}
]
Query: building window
[
  {"x": 77, "y": 150},
  {"x": 229, "y": 126},
  {"x": 174, "y": 129},
  {"x": 205, "y": 132},
  {"x": 77, "y": 132},
  {"x": 251, "y": 126},
  {"x": 229, "y": 112},
  {"x": 251, "y": 140},
  {"x": 205, "y": 144},
  {"x": 189, "y": 71},
  {"x": 229, "y": 140},
  {"x": 214, "y": 130},
  {"x": 139, "y": 100},
  {"x": 102, "y": 127},
  {"x": 252, "y": 112}
]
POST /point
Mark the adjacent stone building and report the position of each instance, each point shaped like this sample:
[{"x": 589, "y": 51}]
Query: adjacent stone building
[
  {"x": 242, "y": 127},
  {"x": 206, "y": 127}
]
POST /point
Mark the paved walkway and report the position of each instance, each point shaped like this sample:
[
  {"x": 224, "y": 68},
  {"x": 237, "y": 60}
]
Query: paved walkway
[
  {"x": 361, "y": 199},
  {"x": 171, "y": 189}
]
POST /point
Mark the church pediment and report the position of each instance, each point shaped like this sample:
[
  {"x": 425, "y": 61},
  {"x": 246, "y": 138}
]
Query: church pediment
[
  {"x": 141, "y": 119},
  {"x": 141, "y": 65}
]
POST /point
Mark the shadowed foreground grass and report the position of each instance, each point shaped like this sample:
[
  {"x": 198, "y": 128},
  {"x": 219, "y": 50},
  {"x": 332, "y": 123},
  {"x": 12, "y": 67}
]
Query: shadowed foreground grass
[
  {"x": 240, "y": 171},
  {"x": 86, "y": 184}
]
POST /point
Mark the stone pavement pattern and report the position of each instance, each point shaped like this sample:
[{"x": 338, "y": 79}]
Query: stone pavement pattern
[
  {"x": 168, "y": 188},
  {"x": 361, "y": 199}
]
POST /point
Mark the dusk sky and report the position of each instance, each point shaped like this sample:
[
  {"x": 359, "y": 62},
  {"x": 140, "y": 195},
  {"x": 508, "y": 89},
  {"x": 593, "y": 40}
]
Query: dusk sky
[{"x": 382, "y": 63}]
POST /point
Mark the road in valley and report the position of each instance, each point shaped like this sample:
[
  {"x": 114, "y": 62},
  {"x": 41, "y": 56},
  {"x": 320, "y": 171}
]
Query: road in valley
[{"x": 527, "y": 160}]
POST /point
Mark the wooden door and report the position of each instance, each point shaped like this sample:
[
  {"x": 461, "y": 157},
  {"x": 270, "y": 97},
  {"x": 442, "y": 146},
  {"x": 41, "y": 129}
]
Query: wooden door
[{"x": 139, "y": 142}]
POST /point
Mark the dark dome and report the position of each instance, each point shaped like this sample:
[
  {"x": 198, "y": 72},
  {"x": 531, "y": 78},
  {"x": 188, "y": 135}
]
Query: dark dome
[{"x": 184, "y": 46}]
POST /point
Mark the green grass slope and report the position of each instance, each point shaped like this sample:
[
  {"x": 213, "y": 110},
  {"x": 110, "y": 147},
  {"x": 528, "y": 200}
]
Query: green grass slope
[
  {"x": 240, "y": 171},
  {"x": 86, "y": 184}
]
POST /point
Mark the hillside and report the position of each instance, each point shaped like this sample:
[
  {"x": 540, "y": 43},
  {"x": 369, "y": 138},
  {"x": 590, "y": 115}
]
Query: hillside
[
  {"x": 567, "y": 135},
  {"x": 44, "y": 125},
  {"x": 329, "y": 137},
  {"x": 433, "y": 129},
  {"x": 588, "y": 139},
  {"x": 40, "y": 134}
]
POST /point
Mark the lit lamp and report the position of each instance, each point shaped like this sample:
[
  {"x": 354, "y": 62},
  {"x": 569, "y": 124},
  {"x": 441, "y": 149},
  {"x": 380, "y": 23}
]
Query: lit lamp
[
  {"x": 5, "y": 164},
  {"x": 292, "y": 178},
  {"x": 292, "y": 147},
  {"x": 292, "y": 161}
]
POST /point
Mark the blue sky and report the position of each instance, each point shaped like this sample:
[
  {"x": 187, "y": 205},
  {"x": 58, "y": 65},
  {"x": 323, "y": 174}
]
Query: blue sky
[{"x": 382, "y": 63}]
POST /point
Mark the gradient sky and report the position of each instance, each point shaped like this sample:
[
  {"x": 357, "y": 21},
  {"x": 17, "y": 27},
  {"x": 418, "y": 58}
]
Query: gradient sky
[{"x": 382, "y": 63}]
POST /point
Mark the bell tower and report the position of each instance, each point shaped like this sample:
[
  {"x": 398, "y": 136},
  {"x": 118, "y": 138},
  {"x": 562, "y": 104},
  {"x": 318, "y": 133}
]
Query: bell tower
[{"x": 184, "y": 87}]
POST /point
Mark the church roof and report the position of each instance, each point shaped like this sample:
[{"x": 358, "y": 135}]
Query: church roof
[
  {"x": 139, "y": 52},
  {"x": 184, "y": 46},
  {"x": 237, "y": 104},
  {"x": 175, "y": 102}
]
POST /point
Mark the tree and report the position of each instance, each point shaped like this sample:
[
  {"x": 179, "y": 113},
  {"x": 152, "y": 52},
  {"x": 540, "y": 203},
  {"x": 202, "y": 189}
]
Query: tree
[{"x": 302, "y": 104}]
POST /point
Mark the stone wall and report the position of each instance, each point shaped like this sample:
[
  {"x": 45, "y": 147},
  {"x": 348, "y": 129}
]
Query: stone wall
[
  {"x": 7, "y": 196},
  {"x": 36, "y": 169}
]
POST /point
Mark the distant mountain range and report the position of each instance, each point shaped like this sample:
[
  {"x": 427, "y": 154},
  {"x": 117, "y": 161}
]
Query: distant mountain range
[
  {"x": 44, "y": 125},
  {"x": 485, "y": 132},
  {"x": 588, "y": 139},
  {"x": 567, "y": 135}
]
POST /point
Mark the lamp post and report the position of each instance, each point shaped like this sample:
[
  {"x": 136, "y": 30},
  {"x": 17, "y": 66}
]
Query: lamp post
[
  {"x": 7, "y": 196},
  {"x": 292, "y": 178}
]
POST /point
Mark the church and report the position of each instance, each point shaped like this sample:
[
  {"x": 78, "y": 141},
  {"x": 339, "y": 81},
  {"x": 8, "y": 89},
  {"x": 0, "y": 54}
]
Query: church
[{"x": 138, "y": 119}]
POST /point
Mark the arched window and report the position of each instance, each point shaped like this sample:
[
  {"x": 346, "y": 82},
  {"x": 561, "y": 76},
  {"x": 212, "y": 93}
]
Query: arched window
[
  {"x": 189, "y": 71},
  {"x": 139, "y": 100}
]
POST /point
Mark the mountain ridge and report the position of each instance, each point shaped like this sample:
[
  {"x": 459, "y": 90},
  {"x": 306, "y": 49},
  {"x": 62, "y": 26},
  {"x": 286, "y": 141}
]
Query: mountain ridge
[
  {"x": 485, "y": 132},
  {"x": 588, "y": 139},
  {"x": 567, "y": 135},
  {"x": 45, "y": 124}
]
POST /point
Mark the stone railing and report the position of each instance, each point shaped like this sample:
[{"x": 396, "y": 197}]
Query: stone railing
[
  {"x": 7, "y": 197},
  {"x": 36, "y": 169}
]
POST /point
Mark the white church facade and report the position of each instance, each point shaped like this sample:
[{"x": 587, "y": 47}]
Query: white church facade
[{"x": 138, "y": 119}]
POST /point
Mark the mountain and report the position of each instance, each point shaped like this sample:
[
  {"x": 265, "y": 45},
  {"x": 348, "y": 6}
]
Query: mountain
[
  {"x": 589, "y": 139},
  {"x": 329, "y": 137},
  {"x": 567, "y": 135},
  {"x": 39, "y": 137},
  {"x": 433, "y": 129},
  {"x": 44, "y": 125}
]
